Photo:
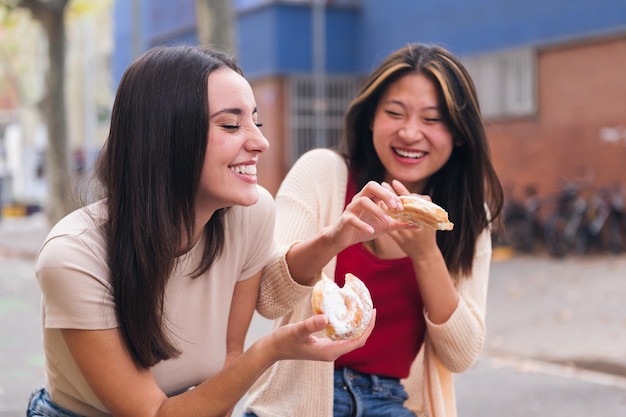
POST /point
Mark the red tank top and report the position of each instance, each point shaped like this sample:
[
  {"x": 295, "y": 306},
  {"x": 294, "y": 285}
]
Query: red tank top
[{"x": 400, "y": 326}]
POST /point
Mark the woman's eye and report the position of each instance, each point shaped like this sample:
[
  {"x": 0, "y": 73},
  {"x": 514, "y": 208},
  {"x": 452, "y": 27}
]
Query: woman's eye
[
  {"x": 259, "y": 124},
  {"x": 392, "y": 113},
  {"x": 433, "y": 119},
  {"x": 230, "y": 127}
]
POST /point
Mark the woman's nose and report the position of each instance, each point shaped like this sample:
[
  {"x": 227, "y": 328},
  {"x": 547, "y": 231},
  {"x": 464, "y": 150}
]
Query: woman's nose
[
  {"x": 258, "y": 142},
  {"x": 411, "y": 131}
]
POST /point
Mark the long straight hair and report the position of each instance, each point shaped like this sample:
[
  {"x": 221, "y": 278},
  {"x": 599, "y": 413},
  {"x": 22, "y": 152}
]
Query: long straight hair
[
  {"x": 467, "y": 183},
  {"x": 150, "y": 169}
]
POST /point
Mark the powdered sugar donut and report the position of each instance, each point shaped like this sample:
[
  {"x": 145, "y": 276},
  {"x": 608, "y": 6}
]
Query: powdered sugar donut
[{"x": 348, "y": 309}]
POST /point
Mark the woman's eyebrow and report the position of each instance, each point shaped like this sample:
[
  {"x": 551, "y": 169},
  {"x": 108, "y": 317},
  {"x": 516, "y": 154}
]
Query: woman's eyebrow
[{"x": 231, "y": 110}]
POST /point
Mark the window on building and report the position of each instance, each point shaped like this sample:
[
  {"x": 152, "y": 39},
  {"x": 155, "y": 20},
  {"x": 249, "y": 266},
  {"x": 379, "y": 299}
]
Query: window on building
[
  {"x": 314, "y": 111},
  {"x": 505, "y": 82}
]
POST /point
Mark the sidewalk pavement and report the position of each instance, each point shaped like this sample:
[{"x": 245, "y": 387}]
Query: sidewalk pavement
[
  {"x": 22, "y": 236},
  {"x": 568, "y": 311}
]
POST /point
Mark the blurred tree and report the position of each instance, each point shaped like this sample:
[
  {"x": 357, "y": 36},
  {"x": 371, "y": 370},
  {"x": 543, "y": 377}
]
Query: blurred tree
[
  {"x": 51, "y": 15},
  {"x": 215, "y": 24}
]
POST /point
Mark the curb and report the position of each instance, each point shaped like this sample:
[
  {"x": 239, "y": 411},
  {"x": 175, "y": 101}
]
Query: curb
[{"x": 614, "y": 375}]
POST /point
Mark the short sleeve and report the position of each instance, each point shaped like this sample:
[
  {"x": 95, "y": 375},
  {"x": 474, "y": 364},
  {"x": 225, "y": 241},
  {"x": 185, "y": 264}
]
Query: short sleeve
[{"x": 74, "y": 281}]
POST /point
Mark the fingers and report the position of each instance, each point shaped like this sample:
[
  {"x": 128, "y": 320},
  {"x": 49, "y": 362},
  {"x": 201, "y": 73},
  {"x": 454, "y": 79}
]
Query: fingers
[
  {"x": 368, "y": 210},
  {"x": 330, "y": 350},
  {"x": 366, "y": 334},
  {"x": 315, "y": 323},
  {"x": 364, "y": 206},
  {"x": 399, "y": 188},
  {"x": 375, "y": 199},
  {"x": 297, "y": 340},
  {"x": 381, "y": 192}
]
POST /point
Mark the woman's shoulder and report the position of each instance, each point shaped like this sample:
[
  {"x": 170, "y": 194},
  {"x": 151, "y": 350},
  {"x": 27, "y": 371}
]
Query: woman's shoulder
[
  {"x": 317, "y": 168},
  {"x": 79, "y": 231},
  {"x": 324, "y": 156}
]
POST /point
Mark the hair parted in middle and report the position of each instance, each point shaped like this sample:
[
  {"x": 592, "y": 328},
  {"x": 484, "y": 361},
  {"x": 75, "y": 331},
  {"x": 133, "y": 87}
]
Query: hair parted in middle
[{"x": 467, "y": 183}]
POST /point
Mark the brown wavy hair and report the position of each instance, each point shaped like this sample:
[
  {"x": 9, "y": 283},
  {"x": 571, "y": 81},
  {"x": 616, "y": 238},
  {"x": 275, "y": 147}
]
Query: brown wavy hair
[
  {"x": 467, "y": 183},
  {"x": 149, "y": 170}
]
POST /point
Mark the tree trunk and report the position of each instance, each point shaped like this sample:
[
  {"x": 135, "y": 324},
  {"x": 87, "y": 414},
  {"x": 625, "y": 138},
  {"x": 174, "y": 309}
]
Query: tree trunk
[
  {"x": 215, "y": 24},
  {"x": 51, "y": 15}
]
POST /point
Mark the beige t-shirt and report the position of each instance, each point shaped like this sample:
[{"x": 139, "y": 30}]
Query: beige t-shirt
[{"x": 74, "y": 280}]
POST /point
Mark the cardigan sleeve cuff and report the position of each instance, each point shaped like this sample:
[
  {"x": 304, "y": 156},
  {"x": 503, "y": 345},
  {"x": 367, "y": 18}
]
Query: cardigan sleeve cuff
[
  {"x": 459, "y": 340},
  {"x": 279, "y": 292}
]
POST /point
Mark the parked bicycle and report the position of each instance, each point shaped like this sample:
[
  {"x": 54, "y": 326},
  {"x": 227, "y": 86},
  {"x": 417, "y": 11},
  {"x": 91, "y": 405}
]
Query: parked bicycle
[{"x": 577, "y": 220}]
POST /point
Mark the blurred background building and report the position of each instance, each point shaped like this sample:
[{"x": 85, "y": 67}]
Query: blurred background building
[
  {"x": 550, "y": 75},
  {"x": 89, "y": 91}
]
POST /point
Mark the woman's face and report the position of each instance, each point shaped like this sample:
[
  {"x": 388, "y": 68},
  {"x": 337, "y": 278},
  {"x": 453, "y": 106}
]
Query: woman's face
[
  {"x": 409, "y": 134},
  {"x": 234, "y": 143}
]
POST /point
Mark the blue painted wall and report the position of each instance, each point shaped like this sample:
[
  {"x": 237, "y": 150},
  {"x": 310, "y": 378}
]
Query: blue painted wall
[
  {"x": 474, "y": 26},
  {"x": 172, "y": 22},
  {"x": 159, "y": 22},
  {"x": 274, "y": 37},
  {"x": 277, "y": 39},
  {"x": 126, "y": 24}
]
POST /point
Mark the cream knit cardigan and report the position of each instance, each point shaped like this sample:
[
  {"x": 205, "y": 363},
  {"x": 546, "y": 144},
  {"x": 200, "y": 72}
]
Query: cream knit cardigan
[{"x": 311, "y": 197}]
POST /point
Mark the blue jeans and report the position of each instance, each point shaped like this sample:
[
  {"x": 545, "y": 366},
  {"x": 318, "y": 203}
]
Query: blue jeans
[
  {"x": 364, "y": 395},
  {"x": 41, "y": 405}
]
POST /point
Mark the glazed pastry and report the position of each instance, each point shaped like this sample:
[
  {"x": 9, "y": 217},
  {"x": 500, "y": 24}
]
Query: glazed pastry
[{"x": 348, "y": 309}]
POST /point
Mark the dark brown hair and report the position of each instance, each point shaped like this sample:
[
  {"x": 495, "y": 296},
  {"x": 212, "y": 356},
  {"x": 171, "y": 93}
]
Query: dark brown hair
[
  {"x": 150, "y": 168},
  {"x": 467, "y": 183}
]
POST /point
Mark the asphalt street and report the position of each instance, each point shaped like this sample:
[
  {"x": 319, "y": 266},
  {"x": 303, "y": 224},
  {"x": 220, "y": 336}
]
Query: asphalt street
[{"x": 556, "y": 334}]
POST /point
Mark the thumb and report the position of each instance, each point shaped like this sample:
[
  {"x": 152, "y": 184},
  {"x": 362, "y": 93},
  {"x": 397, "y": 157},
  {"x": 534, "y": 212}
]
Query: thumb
[{"x": 316, "y": 323}]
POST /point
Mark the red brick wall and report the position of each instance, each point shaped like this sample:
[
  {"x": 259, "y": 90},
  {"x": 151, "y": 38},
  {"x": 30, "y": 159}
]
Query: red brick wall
[
  {"x": 270, "y": 98},
  {"x": 581, "y": 91}
]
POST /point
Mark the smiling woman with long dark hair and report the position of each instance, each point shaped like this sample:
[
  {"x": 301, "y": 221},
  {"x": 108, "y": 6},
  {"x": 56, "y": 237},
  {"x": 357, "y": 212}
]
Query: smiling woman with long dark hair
[
  {"x": 414, "y": 128},
  {"x": 148, "y": 293}
]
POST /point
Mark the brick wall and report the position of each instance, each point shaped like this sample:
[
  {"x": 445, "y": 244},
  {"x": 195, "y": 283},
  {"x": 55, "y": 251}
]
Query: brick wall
[
  {"x": 270, "y": 98},
  {"x": 579, "y": 132}
]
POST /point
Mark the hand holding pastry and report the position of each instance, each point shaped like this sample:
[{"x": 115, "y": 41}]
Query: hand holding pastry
[
  {"x": 348, "y": 309},
  {"x": 421, "y": 212}
]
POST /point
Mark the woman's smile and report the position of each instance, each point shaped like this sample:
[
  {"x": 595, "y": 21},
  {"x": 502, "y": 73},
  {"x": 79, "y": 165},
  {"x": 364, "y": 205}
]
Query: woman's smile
[
  {"x": 407, "y": 154},
  {"x": 246, "y": 172}
]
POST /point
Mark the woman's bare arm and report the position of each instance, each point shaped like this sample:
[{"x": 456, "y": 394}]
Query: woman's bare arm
[{"x": 128, "y": 390}]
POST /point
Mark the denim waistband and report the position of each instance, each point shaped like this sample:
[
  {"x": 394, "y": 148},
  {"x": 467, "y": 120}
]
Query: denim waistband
[
  {"x": 40, "y": 404},
  {"x": 350, "y": 374}
]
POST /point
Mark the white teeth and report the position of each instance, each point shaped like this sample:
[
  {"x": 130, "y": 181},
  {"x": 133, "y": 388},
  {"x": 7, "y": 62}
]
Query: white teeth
[
  {"x": 244, "y": 169},
  {"x": 409, "y": 154}
]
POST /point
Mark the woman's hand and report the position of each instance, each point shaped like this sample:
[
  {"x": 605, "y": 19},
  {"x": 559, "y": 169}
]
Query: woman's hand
[
  {"x": 365, "y": 217},
  {"x": 417, "y": 242},
  {"x": 297, "y": 341},
  {"x": 437, "y": 290}
]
